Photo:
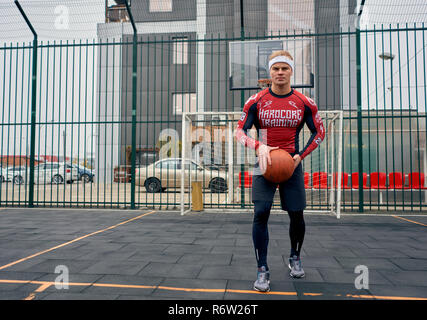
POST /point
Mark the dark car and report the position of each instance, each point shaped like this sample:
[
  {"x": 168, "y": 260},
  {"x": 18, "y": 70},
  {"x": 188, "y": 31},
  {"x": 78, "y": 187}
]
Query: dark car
[{"x": 85, "y": 175}]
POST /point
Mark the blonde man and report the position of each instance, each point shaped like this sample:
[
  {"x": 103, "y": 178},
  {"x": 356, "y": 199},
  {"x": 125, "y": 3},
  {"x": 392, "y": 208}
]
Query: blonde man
[{"x": 280, "y": 112}]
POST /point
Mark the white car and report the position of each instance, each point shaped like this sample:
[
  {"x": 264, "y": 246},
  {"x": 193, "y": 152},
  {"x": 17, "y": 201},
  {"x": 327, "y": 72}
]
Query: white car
[
  {"x": 3, "y": 174},
  {"x": 10, "y": 172},
  {"x": 166, "y": 173},
  {"x": 49, "y": 172}
]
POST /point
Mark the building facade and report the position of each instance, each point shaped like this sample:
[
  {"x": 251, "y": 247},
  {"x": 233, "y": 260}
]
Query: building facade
[{"x": 183, "y": 62}]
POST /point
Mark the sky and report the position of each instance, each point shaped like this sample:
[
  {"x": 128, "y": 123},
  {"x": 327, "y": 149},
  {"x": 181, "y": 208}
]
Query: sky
[
  {"x": 52, "y": 19},
  {"x": 77, "y": 19}
]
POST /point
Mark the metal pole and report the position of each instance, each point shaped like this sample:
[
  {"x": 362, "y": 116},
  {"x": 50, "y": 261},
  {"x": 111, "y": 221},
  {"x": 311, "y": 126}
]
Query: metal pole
[
  {"x": 134, "y": 83},
  {"x": 359, "y": 107},
  {"x": 33, "y": 106},
  {"x": 242, "y": 101}
]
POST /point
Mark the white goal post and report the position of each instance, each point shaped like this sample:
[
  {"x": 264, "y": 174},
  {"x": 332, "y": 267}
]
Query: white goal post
[{"x": 211, "y": 156}]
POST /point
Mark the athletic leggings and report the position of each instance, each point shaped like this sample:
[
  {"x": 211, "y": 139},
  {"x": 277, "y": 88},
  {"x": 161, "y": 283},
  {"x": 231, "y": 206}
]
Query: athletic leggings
[{"x": 260, "y": 231}]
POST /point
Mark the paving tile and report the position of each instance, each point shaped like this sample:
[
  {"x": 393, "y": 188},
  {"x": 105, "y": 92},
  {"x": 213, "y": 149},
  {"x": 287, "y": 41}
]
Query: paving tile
[
  {"x": 371, "y": 263},
  {"x": 152, "y": 257},
  {"x": 50, "y": 265},
  {"x": 174, "y": 240},
  {"x": 319, "y": 262},
  {"x": 416, "y": 253},
  {"x": 26, "y": 265},
  {"x": 20, "y": 275},
  {"x": 379, "y": 253},
  {"x": 108, "y": 255},
  {"x": 177, "y": 285},
  {"x": 208, "y": 250},
  {"x": 328, "y": 291},
  {"x": 187, "y": 248},
  {"x": 115, "y": 267},
  {"x": 206, "y": 259},
  {"x": 227, "y": 273},
  {"x": 400, "y": 292},
  {"x": 321, "y": 252},
  {"x": 124, "y": 285},
  {"x": 349, "y": 276},
  {"x": 59, "y": 295},
  {"x": 156, "y": 269},
  {"x": 405, "y": 278},
  {"x": 15, "y": 294},
  {"x": 233, "y": 249},
  {"x": 243, "y": 290},
  {"x": 216, "y": 242}
]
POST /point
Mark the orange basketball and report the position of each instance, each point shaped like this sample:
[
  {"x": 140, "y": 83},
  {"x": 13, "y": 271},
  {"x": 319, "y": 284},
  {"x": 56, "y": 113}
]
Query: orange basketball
[{"x": 281, "y": 168}]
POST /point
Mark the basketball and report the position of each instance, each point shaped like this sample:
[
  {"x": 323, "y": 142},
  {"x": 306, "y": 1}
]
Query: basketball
[{"x": 281, "y": 168}]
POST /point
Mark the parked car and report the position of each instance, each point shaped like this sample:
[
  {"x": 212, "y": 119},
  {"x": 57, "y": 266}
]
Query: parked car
[
  {"x": 11, "y": 171},
  {"x": 85, "y": 175},
  {"x": 48, "y": 172},
  {"x": 166, "y": 173},
  {"x": 3, "y": 174}
]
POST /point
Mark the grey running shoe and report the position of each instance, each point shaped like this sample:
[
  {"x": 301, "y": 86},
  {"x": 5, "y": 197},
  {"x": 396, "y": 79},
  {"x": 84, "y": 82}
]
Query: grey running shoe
[
  {"x": 262, "y": 282},
  {"x": 296, "y": 268}
]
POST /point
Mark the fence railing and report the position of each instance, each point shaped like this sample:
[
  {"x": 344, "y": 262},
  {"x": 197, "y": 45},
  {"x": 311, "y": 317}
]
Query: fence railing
[{"x": 83, "y": 119}]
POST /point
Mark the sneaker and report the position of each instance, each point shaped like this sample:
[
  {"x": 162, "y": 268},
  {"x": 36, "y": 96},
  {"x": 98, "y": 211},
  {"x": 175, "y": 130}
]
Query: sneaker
[
  {"x": 262, "y": 282},
  {"x": 296, "y": 268}
]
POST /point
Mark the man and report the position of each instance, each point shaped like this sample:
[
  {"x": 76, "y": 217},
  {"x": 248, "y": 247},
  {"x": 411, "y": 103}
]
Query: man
[{"x": 279, "y": 113}]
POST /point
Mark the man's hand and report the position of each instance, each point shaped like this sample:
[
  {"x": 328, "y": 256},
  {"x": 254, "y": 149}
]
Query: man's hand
[
  {"x": 297, "y": 160},
  {"x": 263, "y": 153}
]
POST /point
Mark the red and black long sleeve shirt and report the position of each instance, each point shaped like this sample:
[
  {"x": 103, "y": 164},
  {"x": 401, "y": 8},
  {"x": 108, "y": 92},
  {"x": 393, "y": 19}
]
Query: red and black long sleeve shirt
[{"x": 280, "y": 119}]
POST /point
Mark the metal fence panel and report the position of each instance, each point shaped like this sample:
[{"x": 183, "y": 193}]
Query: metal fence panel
[{"x": 84, "y": 113}]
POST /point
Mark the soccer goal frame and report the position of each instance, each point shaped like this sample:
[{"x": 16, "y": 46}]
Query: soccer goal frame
[{"x": 323, "y": 197}]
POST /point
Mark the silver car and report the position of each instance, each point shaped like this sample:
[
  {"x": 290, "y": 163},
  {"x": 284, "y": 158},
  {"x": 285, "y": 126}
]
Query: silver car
[
  {"x": 48, "y": 172},
  {"x": 166, "y": 173}
]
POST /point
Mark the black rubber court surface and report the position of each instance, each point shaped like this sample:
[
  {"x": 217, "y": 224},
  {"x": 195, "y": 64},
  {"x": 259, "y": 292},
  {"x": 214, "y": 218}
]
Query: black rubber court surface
[{"x": 148, "y": 254}]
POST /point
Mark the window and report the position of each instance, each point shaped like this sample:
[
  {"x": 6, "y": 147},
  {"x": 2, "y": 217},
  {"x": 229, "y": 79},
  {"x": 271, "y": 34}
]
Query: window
[
  {"x": 180, "y": 50},
  {"x": 168, "y": 164},
  {"x": 160, "y": 6},
  {"x": 192, "y": 166},
  {"x": 159, "y": 165},
  {"x": 51, "y": 166},
  {"x": 184, "y": 102}
]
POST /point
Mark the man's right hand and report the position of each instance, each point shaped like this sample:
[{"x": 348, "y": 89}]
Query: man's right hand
[{"x": 263, "y": 153}]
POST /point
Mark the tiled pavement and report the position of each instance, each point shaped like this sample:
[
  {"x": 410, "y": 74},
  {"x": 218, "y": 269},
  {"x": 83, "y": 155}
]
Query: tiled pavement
[{"x": 163, "y": 255}]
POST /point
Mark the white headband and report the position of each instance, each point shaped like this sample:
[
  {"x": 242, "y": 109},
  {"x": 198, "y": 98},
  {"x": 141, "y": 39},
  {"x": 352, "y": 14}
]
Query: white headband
[{"x": 281, "y": 59}]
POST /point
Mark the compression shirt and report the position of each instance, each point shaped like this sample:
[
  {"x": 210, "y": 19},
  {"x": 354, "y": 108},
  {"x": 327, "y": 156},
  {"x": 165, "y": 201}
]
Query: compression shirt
[{"x": 280, "y": 119}]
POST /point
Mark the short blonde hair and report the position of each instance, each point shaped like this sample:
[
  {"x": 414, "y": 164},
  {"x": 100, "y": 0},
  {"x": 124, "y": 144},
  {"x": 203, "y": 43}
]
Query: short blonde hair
[{"x": 280, "y": 53}]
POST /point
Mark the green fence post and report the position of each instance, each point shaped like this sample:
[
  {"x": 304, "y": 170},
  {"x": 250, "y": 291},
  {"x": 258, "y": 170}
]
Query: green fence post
[
  {"x": 242, "y": 101},
  {"x": 134, "y": 82},
  {"x": 359, "y": 108},
  {"x": 33, "y": 107}
]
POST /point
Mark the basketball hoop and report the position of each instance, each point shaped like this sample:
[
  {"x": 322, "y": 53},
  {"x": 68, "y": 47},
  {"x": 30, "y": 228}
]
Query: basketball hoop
[{"x": 264, "y": 83}]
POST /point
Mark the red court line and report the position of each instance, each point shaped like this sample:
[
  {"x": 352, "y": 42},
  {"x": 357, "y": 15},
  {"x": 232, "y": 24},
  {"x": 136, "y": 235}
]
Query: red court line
[{"x": 75, "y": 240}]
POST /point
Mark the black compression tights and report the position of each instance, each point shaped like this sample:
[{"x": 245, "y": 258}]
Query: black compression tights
[{"x": 260, "y": 231}]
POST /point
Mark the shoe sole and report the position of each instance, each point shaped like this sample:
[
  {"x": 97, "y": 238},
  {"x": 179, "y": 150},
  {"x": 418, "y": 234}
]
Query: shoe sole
[
  {"x": 259, "y": 290},
  {"x": 297, "y": 277},
  {"x": 294, "y": 276},
  {"x": 256, "y": 289}
]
